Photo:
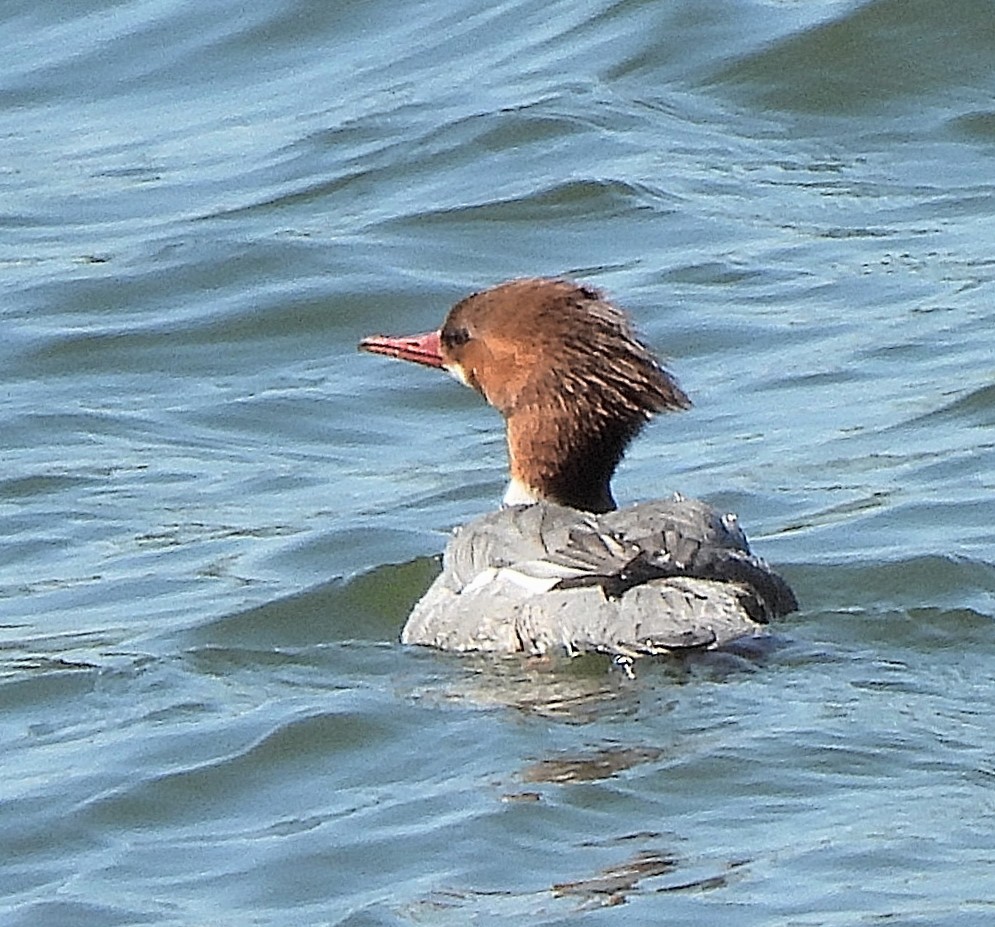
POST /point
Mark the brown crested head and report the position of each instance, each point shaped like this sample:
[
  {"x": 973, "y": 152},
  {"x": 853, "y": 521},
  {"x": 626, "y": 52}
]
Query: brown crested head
[
  {"x": 573, "y": 382},
  {"x": 566, "y": 371}
]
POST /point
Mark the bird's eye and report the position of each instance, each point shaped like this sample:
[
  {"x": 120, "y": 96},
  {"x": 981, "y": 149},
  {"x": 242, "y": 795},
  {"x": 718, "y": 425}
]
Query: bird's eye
[{"x": 454, "y": 337}]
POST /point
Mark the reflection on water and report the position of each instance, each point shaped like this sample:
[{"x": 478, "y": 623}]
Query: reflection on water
[
  {"x": 599, "y": 764},
  {"x": 646, "y": 873}
]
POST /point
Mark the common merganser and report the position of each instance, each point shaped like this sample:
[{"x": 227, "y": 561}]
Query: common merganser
[{"x": 558, "y": 567}]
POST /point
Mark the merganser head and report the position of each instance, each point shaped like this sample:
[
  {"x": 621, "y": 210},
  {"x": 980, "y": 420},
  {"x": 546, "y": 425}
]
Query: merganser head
[{"x": 563, "y": 367}]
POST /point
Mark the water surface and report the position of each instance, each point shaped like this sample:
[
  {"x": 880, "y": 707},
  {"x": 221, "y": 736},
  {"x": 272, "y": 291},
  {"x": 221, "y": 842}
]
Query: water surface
[{"x": 215, "y": 513}]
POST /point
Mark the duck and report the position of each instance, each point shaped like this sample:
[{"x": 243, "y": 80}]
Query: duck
[{"x": 559, "y": 567}]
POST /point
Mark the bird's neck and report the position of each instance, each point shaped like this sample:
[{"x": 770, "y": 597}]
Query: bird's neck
[{"x": 564, "y": 458}]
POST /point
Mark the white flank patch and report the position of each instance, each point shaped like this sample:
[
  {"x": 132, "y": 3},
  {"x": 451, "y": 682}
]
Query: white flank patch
[{"x": 531, "y": 584}]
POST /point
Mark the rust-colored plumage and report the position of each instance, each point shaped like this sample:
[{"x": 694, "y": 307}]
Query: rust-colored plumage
[{"x": 565, "y": 369}]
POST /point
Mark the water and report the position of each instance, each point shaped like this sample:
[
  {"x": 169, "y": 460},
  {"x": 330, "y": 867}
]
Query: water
[{"x": 215, "y": 513}]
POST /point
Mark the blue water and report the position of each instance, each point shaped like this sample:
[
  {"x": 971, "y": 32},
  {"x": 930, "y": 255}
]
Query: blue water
[{"x": 215, "y": 514}]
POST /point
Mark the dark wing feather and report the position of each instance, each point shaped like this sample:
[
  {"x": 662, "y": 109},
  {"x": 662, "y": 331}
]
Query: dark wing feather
[{"x": 624, "y": 549}]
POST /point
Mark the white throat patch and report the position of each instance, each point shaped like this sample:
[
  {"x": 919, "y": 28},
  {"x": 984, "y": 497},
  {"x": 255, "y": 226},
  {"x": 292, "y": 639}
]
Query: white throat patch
[{"x": 456, "y": 372}]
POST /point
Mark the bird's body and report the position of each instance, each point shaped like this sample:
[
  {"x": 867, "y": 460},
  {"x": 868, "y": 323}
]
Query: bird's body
[{"x": 559, "y": 567}]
